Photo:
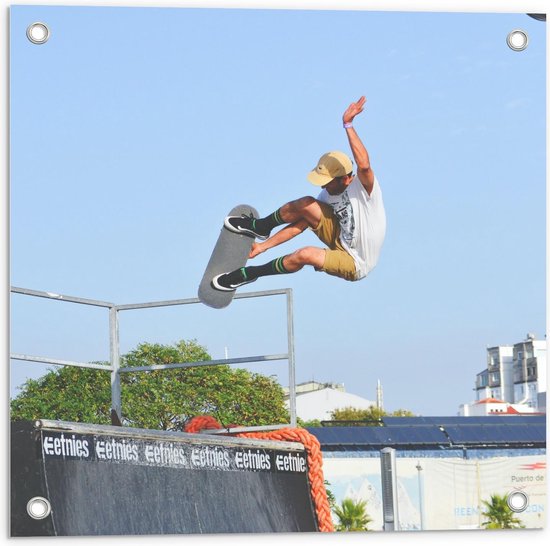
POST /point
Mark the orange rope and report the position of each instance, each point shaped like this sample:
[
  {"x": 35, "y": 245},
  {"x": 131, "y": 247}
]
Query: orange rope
[
  {"x": 201, "y": 422},
  {"x": 314, "y": 460}
]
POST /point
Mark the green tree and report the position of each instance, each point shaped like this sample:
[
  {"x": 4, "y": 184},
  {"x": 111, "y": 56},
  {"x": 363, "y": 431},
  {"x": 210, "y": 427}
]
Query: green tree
[
  {"x": 310, "y": 423},
  {"x": 401, "y": 413},
  {"x": 352, "y": 516},
  {"x": 371, "y": 416},
  {"x": 159, "y": 399},
  {"x": 499, "y": 515}
]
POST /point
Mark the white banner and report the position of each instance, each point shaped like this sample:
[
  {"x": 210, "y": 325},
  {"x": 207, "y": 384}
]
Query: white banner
[{"x": 442, "y": 493}]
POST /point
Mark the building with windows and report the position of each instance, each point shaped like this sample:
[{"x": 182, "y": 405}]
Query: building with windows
[
  {"x": 497, "y": 380},
  {"x": 515, "y": 375},
  {"x": 529, "y": 367}
]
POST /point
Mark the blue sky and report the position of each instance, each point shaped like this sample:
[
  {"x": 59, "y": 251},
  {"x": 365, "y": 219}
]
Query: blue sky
[{"x": 134, "y": 131}]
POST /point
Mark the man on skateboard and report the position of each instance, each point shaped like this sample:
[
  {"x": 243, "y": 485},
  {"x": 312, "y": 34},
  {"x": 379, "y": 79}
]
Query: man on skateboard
[{"x": 348, "y": 216}]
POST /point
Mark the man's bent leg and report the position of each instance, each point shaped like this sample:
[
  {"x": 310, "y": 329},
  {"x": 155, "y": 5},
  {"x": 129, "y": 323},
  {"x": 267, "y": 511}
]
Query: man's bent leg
[
  {"x": 309, "y": 255},
  {"x": 340, "y": 264},
  {"x": 285, "y": 264},
  {"x": 337, "y": 261},
  {"x": 305, "y": 208},
  {"x": 334, "y": 262},
  {"x": 290, "y": 263}
]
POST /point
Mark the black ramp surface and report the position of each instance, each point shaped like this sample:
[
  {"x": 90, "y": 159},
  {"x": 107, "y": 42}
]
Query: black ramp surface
[
  {"x": 230, "y": 253},
  {"x": 27, "y": 480},
  {"x": 91, "y": 501},
  {"x": 101, "y": 483}
]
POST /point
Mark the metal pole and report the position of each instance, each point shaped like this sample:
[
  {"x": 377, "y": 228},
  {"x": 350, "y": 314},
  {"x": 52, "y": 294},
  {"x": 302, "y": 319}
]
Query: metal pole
[
  {"x": 291, "y": 364},
  {"x": 56, "y": 362},
  {"x": 116, "y": 403},
  {"x": 389, "y": 489},
  {"x": 420, "y": 495},
  {"x": 221, "y": 362},
  {"x": 59, "y": 297}
]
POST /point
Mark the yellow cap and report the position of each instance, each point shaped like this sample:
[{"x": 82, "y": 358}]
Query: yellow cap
[{"x": 331, "y": 165}]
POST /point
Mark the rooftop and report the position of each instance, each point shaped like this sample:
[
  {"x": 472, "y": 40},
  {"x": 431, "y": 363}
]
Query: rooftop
[{"x": 454, "y": 432}]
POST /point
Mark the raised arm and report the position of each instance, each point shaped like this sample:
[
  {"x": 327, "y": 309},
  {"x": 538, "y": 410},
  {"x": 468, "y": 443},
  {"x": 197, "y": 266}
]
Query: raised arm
[{"x": 360, "y": 154}]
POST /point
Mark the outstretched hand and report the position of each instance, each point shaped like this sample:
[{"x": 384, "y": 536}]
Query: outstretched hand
[
  {"x": 353, "y": 109},
  {"x": 256, "y": 249}
]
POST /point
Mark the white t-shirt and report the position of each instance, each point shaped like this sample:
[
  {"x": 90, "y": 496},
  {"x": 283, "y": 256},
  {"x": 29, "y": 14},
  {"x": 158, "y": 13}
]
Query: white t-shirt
[{"x": 362, "y": 221}]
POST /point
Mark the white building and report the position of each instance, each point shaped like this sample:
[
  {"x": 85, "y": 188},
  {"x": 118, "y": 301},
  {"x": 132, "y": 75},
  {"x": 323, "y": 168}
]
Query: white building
[
  {"x": 515, "y": 374},
  {"x": 493, "y": 406},
  {"x": 497, "y": 380},
  {"x": 318, "y": 400},
  {"x": 310, "y": 386},
  {"x": 529, "y": 371}
]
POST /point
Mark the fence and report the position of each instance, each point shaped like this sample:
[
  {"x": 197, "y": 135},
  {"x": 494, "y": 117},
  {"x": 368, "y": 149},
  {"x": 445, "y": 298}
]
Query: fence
[{"x": 114, "y": 345}]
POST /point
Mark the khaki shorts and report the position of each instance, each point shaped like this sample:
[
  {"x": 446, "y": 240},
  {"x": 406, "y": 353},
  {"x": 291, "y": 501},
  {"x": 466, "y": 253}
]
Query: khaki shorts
[{"x": 337, "y": 261}]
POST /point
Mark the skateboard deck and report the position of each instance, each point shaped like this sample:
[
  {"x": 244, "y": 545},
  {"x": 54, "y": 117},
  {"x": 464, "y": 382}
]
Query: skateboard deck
[{"x": 230, "y": 253}]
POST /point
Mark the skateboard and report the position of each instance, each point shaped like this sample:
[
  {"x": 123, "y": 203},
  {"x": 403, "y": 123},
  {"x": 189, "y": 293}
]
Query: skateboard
[{"x": 230, "y": 253}]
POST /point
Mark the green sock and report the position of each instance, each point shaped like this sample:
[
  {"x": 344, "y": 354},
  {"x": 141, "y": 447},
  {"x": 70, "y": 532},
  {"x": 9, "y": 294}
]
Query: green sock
[
  {"x": 265, "y": 225},
  {"x": 274, "y": 267}
]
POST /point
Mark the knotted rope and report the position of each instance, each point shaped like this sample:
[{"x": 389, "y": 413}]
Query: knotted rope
[{"x": 314, "y": 460}]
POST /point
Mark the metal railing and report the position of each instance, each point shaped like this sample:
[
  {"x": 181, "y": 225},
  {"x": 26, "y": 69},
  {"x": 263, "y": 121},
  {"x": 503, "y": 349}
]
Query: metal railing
[{"x": 114, "y": 344}]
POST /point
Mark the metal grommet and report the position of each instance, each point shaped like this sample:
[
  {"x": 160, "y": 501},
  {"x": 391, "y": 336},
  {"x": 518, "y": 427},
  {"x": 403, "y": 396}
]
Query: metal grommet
[
  {"x": 517, "y": 501},
  {"x": 39, "y": 508},
  {"x": 517, "y": 40},
  {"x": 38, "y": 33}
]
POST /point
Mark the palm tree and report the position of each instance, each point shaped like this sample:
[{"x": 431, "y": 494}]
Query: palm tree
[
  {"x": 330, "y": 496},
  {"x": 352, "y": 516},
  {"x": 499, "y": 515}
]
